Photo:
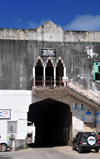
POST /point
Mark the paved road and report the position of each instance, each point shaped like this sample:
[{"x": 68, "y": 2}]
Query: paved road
[{"x": 64, "y": 152}]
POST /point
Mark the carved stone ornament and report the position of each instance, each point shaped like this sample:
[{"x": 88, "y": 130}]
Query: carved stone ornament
[{"x": 48, "y": 52}]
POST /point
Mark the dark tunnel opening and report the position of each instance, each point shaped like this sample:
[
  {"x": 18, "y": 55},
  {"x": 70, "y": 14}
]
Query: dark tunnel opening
[{"x": 53, "y": 122}]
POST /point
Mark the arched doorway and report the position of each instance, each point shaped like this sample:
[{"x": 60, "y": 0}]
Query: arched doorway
[
  {"x": 53, "y": 122},
  {"x": 39, "y": 73},
  {"x": 59, "y": 73},
  {"x": 49, "y": 74}
]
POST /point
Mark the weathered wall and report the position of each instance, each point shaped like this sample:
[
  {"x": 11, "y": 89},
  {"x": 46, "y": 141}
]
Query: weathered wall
[
  {"x": 50, "y": 32},
  {"x": 19, "y": 50},
  {"x": 18, "y": 57}
]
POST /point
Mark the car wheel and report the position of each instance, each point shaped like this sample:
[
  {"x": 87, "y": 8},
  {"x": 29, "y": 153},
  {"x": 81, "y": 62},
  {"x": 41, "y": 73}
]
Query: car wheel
[
  {"x": 3, "y": 147},
  {"x": 79, "y": 149},
  {"x": 96, "y": 150},
  {"x": 73, "y": 147}
]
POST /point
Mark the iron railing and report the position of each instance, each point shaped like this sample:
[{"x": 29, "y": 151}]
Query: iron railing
[{"x": 48, "y": 81}]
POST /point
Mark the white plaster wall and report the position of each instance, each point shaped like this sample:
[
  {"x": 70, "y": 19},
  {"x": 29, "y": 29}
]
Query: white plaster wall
[
  {"x": 22, "y": 129},
  {"x": 78, "y": 125},
  {"x": 3, "y": 129},
  {"x": 18, "y": 101},
  {"x": 81, "y": 117}
]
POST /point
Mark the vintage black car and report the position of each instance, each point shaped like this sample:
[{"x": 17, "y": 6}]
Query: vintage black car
[{"x": 85, "y": 141}]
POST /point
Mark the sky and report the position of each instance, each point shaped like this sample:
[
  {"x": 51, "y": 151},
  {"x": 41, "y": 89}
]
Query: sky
[{"x": 68, "y": 14}]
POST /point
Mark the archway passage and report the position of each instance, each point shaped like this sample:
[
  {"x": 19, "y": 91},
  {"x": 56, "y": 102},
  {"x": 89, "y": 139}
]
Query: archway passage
[{"x": 53, "y": 122}]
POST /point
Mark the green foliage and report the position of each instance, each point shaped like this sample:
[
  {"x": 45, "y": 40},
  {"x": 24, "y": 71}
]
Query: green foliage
[{"x": 27, "y": 146}]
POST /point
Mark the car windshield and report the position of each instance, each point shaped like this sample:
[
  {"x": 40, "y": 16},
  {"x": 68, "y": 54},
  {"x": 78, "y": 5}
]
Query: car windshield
[{"x": 85, "y": 135}]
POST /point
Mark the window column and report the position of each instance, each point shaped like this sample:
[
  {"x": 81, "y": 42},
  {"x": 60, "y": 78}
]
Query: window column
[
  {"x": 64, "y": 71},
  {"x": 44, "y": 75},
  {"x": 65, "y": 76},
  {"x": 54, "y": 76}
]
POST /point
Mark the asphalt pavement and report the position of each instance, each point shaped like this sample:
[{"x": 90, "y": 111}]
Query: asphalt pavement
[{"x": 60, "y": 152}]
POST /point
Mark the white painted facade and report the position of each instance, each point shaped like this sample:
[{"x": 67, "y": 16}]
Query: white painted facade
[{"x": 18, "y": 102}]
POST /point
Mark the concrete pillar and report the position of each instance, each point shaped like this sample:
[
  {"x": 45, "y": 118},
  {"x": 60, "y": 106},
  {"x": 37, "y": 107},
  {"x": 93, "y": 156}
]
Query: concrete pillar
[
  {"x": 34, "y": 75},
  {"x": 13, "y": 145},
  {"x": 64, "y": 71}
]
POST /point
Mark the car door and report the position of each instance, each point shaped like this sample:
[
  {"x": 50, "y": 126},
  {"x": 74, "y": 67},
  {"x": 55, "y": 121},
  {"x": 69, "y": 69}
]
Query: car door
[{"x": 77, "y": 140}]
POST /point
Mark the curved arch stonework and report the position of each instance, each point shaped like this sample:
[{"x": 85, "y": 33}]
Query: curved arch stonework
[
  {"x": 39, "y": 58},
  {"x": 52, "y": 61},
  {"x": 64, "y": 97},
  {"x": 60, "y": 59}
]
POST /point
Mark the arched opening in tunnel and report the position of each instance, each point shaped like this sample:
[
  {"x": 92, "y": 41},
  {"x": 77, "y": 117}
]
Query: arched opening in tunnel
[{"x": 53, "y": 122}]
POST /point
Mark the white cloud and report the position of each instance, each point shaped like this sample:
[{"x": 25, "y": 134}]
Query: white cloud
[
  {"x": 84, "y": 22},
  {"x": 80, "y": 22}
]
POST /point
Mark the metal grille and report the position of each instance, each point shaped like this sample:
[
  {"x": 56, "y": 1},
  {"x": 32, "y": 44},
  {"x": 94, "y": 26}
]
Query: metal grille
[{"x": 12, "y": 126}]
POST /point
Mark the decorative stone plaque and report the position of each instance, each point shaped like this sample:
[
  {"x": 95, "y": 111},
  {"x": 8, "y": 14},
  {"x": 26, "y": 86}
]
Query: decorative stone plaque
[{"x": 49, "y": 52}]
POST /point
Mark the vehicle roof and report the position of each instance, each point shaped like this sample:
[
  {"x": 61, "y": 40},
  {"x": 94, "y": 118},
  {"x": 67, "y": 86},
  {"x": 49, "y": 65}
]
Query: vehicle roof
[{"x": 86, "y": 132}]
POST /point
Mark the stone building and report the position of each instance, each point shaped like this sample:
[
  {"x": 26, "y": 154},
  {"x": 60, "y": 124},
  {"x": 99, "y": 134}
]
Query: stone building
[{"x": 49, "y": 77}]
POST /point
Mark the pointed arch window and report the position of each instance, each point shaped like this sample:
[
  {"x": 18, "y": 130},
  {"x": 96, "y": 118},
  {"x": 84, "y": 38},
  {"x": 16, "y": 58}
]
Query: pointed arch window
[
  {"x": 59, "y": 73},
  {"x": 39, "y": 73},
  {"x": 49, "y": 74}
]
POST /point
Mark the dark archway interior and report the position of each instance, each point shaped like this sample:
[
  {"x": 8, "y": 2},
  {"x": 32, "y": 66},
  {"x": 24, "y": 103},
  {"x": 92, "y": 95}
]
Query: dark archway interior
[
  {"x": 38, "y": 73},
  {"x": 59, "y": 73},
  {"x": 59, "y": 69},
  {"x": 53, "y": 121},
  {"x": 39, "y": 69},
  {"x": 49, "y": 74},
  {"x": 49, "y": 69}
]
